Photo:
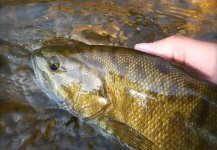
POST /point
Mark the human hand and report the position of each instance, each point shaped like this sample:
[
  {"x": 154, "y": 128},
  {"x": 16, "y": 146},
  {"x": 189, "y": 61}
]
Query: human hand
[{"x": 199, "y": 55}]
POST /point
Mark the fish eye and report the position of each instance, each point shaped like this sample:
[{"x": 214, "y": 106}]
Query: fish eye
[{"x": 54, "y": 63}]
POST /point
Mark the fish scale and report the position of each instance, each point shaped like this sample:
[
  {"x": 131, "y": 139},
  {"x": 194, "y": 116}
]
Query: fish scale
[{"x": 143, "y": 100}]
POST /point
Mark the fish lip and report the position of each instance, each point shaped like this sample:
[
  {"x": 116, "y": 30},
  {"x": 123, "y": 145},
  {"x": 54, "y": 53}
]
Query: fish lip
[
  {"x": 32, "y": 66},
  {"x": 35, "y": 71}
]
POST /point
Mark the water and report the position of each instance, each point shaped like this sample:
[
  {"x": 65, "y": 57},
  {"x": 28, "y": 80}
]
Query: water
[{"x": 28, "y": 118}]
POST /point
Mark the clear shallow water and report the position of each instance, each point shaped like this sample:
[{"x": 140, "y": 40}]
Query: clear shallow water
[
  {"x": 28, "y": 119},
  {"x": 116, "y": 22}
]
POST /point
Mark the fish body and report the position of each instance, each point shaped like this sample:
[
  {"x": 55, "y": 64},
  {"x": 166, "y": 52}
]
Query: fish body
[{"x": 144, "y": 100}]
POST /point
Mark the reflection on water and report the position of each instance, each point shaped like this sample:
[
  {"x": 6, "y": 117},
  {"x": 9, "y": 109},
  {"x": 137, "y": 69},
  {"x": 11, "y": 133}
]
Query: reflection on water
[
  {"x": 116, "y": 22},
  {"x": 28, "y": 119},
  {"x": 23, "y": 127}
]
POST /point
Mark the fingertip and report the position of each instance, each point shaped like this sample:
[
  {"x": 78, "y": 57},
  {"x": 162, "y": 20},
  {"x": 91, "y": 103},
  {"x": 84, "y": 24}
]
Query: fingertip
[
  {"x": 143, "y": 46},
  {"x": 137, "y": 47}
]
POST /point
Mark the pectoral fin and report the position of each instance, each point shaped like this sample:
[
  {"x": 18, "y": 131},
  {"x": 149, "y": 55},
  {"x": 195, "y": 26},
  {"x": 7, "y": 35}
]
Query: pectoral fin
[{"x": 127, "y": 135}]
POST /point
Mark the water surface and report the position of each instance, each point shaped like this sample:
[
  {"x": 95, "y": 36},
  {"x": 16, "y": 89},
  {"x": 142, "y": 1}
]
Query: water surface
[{"x": 28, "y": 118}]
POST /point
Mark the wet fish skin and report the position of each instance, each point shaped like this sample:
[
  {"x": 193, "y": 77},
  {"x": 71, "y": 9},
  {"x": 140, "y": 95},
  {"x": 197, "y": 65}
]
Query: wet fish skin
[{"x": 158, "y": 103}]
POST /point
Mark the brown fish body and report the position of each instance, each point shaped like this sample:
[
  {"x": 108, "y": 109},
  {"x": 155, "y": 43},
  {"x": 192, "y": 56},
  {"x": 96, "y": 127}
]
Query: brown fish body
[{"x": 146, "y": 101}]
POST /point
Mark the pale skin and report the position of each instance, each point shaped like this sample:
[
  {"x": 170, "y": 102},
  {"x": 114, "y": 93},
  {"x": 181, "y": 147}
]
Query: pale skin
[{"x": 198, "y": 55}]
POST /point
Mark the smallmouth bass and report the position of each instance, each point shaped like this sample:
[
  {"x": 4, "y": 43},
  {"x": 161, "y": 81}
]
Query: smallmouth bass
[{"x": 144, "y": 100}]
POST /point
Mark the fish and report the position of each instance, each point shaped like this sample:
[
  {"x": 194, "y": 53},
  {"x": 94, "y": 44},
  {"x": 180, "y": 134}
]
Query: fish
[{"x": 143, "y": 100}]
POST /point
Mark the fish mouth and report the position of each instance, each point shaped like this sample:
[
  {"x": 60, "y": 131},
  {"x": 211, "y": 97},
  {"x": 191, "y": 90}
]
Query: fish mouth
[
  {"x": 32, "y": 65},
  {"x": 31, "y": 70},
  {"x": 34, "y": 68},
  {"x": 36, "y": 73}
]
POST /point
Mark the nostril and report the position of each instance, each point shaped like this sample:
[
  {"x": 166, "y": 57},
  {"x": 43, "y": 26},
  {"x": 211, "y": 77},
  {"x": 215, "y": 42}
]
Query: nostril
[{"x": 44, "y": 76}]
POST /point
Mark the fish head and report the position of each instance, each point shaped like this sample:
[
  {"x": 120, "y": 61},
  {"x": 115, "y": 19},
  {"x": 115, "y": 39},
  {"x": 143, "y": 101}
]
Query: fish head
[{"x": 67, "y": 79}]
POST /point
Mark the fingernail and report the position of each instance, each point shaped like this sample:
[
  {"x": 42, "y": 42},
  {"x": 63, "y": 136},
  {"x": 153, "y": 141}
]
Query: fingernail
[{"x": 143, "y": 46}]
